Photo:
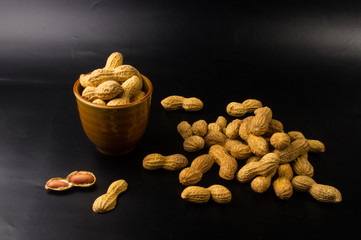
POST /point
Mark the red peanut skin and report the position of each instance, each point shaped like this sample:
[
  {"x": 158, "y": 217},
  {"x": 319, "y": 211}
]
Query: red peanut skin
[
  {"x": 82, "y": 178},
  {"x": 57, "y": 184}
]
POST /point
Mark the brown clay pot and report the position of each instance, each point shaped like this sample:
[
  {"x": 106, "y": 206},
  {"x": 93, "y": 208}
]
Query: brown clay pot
[{"x": 114, "y": 130}]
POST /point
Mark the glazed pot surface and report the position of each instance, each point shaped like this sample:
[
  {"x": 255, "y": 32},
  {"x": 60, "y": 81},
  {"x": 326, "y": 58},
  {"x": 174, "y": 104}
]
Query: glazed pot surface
[{"x": 114, "y": 130}]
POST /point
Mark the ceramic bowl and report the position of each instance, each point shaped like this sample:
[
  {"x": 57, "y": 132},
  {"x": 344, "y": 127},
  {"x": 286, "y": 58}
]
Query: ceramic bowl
[{"x": 114, "y": 130}]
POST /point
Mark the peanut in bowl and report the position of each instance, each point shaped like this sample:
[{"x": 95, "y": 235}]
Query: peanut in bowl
[{"x": 114, "y": 130}]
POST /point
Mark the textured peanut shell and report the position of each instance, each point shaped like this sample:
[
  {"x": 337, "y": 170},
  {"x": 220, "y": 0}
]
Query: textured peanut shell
[
  {"x": 124, "y": 72},
  {"x": 114, "y": 60},
  {"x": 264, "y": 167},
  {"x": 214, "y": 137},
  {"x": 260, "y": 184},
  {"x": 193, "y": 143},
  {"x": 301, "y": 166},
  {"x": 108, "y": 201},
  {"x": 297, "y": 148},
  {"x": 131, "y": 86},
  {"x": 325, "y": 193},
  {"x": 196, "y": 194},
  {"x": 214, "y": 127},
  {"x": 316, "y": 146},
  {"x": 108, "y": 90},
  {"x": 203, "y": 163},
  {"x": 259, "y": 124},
  {"x": 252, "y": 104},
  {"x": 200, "y": 128},
  {"x": 302, "y": 183},
  {"x": 98, "y": 76},
  {"x": 220, "y": 194},
  {"x": 294, "y": 135},
  {"x": 116, "y": 102},
  {"x": 137, "y": 96},
  {"x": 283, "y": 188},
  {"x": 232, "y": 129},
  {"x": 184, "y": 129},
  {"x": 258, "y": 145},
  {"x": 221, "y": 121},
  {"x": 320, "y": 192},
  {"x": 99, "y": 102},
  {"x": 194, "y": 173},
  {"x": 273, "y": 127},
  {"x": 172, "y": 102},
  {"x": 228, "y": 165},
  {"x": 238, "y": 149},
  {"x": 89, "y": 93},
  {"x": 192, "y": 104},
  {"x": 280, "y": 140},
  {"x": 190, "y": 176},
  {"x": 285, "y": 171},
  {"x": 171, "y": 163},
  {"x": 253, "y": 158},
  {"x": 236, "y": 109},
  {"x": 244, "y": 131}
]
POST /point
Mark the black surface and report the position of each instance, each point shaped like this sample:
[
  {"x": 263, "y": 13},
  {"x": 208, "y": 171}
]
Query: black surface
[{"x": 301, "y": 60}]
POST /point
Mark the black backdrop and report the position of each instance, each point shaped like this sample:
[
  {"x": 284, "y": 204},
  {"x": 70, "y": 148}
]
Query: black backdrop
[{"x": 302, "y": 60}]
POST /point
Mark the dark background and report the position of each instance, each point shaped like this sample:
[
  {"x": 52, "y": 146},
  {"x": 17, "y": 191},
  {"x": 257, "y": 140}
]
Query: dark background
[{"x": 302, "y": 60}]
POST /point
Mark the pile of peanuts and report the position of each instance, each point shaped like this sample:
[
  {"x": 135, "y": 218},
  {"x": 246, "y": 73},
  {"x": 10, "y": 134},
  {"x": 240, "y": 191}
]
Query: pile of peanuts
[
  {"x": 270, "y": 156},
  {"x": 114, "y": 85}
]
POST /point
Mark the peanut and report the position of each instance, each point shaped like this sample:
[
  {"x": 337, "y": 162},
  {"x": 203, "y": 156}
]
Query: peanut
[
  {"x": 185, "y": 129},
  {"x": 108, "y": 90},
  {"x": 259, "y": 124},
  {"x": 98, "y": 76},
  {"x": 193, "y": 174},
  {"x": 228, "y": 165},
  {"x": 220, "y": 194},
  {"x": 257, "y": 144},
  {"x": 99, "y": 102},
  {"x": 316, "y": 146},
  {"x": 233, "y": 128},
  {"x": 320, "y": 192},
  {"x": 176, "y": 102},
  {"x": 74, "y": 179},
  {"x": 57, "y": 184},
  {"x": 260, "y": 184},
  {"x": 137, "y": 96},
  {"x": 264, "y": 167},
  {"x": 108, "y": 201},
  {"x": 114, "y": 60},
  {"x": 82, "y": 178},
  {"x": 273, "y": 127},
  {"x": 280, "y": 140},
  {"x": 297, "y": 148},
  {"x": 197, "y": 194},
  {"x": 236, "y": 109},
  {"x": 282, "y": 185},
  {"x": 221, "y": 121},
  {"x": 130, "y": 86},
  {"x": 89, "y": 93},
  {"x": 219, "y": 125},
  {"x": 200, "y": 128},
  {"x": 236, "y": 148},
  {"x": 193, "y": 143},
  {"x": 171, "y": 163},
  {"x": 302, "y": 166},
  {"x": 214, "y": 127}
]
